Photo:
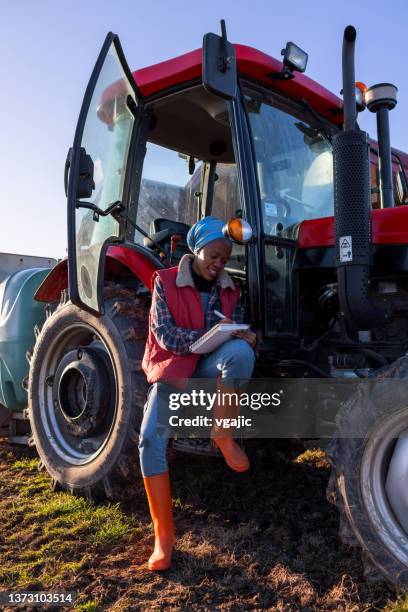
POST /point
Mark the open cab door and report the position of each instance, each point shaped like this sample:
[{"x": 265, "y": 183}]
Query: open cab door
[{"x": 97, "y": 178}]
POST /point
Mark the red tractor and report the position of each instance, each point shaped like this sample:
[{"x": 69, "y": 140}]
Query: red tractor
[{"x": 229, "y": 131}]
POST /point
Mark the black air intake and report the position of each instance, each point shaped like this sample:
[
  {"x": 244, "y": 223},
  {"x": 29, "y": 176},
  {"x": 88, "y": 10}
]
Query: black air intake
[{"x": 352, "y": 205}]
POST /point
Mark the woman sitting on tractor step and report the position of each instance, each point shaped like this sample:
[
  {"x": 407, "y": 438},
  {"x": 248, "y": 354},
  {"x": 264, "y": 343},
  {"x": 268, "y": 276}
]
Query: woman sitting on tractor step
[{"x": 183, "y": 303}]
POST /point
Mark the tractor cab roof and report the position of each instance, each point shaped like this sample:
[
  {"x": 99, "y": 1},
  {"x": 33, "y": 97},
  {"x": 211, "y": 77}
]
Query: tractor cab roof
[
  {"x": 192, "y": 121},
  {"x": 251, "y": 63}
]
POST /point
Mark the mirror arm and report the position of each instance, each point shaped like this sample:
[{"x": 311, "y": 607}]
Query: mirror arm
[
  {"x": 225, "y": 59},
  {"x": 323, "y": 130},
  {"x": 116, "y": 209}
]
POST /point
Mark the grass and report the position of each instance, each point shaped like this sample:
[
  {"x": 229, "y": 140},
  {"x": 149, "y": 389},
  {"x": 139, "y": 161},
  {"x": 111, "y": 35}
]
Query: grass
[
  {"x": 64, "y": 514},
  {"x": 313, "y": 456},
  {"x": 88, "y": 606},
  {"x": 400, "y": 605},
  {"x": 25, "y": 464},
  {"x": 264, "y": 540},
  {"x": 49, "y": 538}
]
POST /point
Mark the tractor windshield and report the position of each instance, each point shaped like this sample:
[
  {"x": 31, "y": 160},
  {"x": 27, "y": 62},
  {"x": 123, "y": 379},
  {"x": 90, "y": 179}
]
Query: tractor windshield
[{"x": 294, "y": 164}]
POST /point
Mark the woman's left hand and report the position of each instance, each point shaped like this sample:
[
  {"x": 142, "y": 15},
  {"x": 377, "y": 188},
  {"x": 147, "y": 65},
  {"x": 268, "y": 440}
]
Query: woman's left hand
[{"x": 246, "y": 334}]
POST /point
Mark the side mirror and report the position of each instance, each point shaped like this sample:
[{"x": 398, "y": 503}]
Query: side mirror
[
  {"x": 86, "y": 182},
  {"x": 219, "y": 65}
]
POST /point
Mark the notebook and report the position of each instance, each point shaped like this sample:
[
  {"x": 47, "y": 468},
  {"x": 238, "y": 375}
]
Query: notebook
[{"x": 216, "y": 336}]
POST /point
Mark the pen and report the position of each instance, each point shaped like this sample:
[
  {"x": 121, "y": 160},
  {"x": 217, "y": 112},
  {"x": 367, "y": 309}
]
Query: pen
[{"x": 219, "y": 314}]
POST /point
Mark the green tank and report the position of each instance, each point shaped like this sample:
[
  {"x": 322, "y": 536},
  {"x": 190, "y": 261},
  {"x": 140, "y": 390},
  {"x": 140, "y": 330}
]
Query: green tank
[{"x": 19, "y": 313}]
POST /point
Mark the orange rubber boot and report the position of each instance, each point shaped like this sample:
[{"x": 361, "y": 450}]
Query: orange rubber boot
[
  {"x": 235, "y": 457},
  {"x": 161, "y": 510}
]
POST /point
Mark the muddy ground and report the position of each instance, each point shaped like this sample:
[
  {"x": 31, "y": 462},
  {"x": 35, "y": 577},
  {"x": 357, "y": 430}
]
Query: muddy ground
[{"x": 262, "y": 540}]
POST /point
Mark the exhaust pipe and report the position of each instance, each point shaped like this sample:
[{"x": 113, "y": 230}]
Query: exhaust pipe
[
  {"x": 352, "y": 206},
  {"x": 349, "y": 79}
]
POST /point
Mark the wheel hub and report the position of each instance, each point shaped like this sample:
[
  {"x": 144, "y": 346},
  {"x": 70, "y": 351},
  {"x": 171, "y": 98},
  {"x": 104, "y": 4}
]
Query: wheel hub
[{"x": 83, "y": 391}]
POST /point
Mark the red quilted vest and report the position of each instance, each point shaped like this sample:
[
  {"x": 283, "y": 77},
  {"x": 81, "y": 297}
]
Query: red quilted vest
[{"x": 186, "y": 309}]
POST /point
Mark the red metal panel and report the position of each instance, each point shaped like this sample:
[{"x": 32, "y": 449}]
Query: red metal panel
[
  {"x": 316, "y": 233},
  {"x": 181, "y": 69},
  {"x": 258, "y": 65},
  {"x": 137, "y": 263},
  {"x": 134, "y": 261},
  {"x": 250, "y": 62},
  {"x": 56, "y": 281},
  {"x": 390, "y": 226}
]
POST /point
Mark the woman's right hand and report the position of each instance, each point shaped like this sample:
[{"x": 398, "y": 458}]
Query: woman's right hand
[{"x": 226, "y": 321}]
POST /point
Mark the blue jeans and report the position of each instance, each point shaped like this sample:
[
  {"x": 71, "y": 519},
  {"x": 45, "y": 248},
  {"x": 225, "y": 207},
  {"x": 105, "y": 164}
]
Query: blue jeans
[{"x": 233, "y": 359}]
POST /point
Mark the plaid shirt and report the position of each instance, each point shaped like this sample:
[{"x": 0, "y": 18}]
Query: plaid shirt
[{"x": 178, "y": 339}]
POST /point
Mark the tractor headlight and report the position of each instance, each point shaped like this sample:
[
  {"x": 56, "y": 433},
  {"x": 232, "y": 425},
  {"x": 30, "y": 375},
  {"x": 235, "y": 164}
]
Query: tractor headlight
[{"x": 294, "y": 57}]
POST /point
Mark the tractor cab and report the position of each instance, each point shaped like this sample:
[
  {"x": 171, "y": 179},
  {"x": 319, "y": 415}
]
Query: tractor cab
[{"x": 158, "y": 149}]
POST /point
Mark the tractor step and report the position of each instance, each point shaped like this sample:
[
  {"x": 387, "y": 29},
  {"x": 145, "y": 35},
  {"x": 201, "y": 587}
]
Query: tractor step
[
  {"x": 5, "y": 417},
  {"x": 23, "y": 440},
  {"x": 196, "y": 446},
  {"x": 15, "y": 426}
]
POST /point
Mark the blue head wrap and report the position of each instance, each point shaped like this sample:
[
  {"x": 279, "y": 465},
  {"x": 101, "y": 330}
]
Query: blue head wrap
[{"x": 204, "y": 231}]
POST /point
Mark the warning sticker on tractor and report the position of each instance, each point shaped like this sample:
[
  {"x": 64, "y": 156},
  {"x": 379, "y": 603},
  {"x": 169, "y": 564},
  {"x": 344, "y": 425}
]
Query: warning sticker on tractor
[{"x": 346, "y": 249}]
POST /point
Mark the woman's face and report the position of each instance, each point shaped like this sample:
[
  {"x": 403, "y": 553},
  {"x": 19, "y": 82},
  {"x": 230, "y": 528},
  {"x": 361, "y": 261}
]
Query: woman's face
[{"x": 212, "y": 258}]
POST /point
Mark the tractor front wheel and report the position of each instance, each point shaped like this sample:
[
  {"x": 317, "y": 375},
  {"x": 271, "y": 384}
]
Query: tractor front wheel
[
  {"x": 369, "y": 482},
  {"x": 86, "y": 393}
]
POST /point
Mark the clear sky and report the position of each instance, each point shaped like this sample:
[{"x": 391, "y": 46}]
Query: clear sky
[{"x": 48, "y": 49}]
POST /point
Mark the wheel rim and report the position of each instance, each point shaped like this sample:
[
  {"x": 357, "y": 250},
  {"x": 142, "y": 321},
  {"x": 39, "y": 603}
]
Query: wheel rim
[
  {"x": 384, "y": 459},
  {"x": 79, "y": 446}
]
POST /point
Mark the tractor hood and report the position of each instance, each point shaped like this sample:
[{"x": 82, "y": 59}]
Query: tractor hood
[{"x": 389, "y": 226}]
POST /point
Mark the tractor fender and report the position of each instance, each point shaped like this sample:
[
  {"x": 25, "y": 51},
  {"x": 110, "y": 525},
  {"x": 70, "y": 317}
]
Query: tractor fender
[{"x": 135, "y": 259}]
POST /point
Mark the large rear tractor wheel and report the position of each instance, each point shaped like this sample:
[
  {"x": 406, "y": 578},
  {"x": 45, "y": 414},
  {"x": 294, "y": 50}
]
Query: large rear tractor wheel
[
  {"x": 86, "y": 393},
  {"x": 369, "y": 482}
]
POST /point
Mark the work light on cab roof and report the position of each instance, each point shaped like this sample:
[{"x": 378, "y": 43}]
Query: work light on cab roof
[{"x": 294, "y": 58}]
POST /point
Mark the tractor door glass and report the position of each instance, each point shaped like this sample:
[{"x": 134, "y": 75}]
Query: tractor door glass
[
  {"x": 106, "y": 139},
  {"x": 167, "y": 190},
  {"x": 294, "y": 165},
  {"x": 280, "y": 290},
  {"x": 226, "y": 205}
]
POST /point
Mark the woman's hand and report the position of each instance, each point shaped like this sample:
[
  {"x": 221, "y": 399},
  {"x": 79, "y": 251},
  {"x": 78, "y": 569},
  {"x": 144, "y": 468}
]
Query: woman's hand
[{"x": 246, "y": 334}]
